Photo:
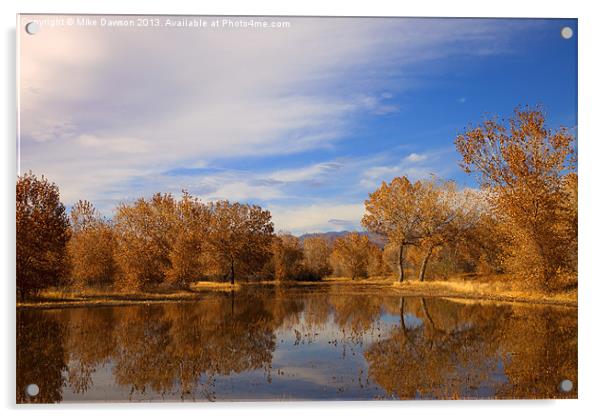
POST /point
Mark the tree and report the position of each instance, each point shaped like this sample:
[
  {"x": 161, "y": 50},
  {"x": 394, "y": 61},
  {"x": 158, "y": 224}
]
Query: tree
[
  {"x": 240, "y": 236},
  {"x": 189, "y": 253},
  {"x": 447, "y": 215},
  {"x": 91, "y": 248},
  {"x": 351, "y": 253},
  {"x": 42, "y": 234},
  {"x": 526, "y": 166},
  {"x": 145, "y": 232},
  {"x": 376, "y": 263},
  {"x": 480, "y": 246},
  {"x": 316, "y": 251},
  {"x": 395, "y": 211},
  {"x": 287, "y": 256}
]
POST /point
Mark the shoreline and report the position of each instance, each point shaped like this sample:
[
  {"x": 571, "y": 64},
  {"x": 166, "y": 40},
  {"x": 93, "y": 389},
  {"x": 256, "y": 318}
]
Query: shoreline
[
  {"x": 493, "y": 291},
  {"x": 464, "y": 290}
]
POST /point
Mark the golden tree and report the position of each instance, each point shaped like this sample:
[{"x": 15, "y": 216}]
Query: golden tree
[
  {"x": 189, "y": 254},
  {"x": 145, "y": 232},
  {"x": 447, "y": 216},
  {"x": 287, "y": 257},
  {"x": 350, "y": 255},
  {"x": 91, "y": 247},
  {"x": 42, "y": 234},
  {"x": 526, "y": 167},
  {"x": 316, "y": 252},
  {"x": 395, "y": 210},
  {"x": 240, "y": 237},
  {"x": 376, "y": 262}
]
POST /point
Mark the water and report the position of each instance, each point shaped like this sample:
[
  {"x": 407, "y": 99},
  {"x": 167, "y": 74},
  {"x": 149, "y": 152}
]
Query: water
[{"x": 310, "y": 342}]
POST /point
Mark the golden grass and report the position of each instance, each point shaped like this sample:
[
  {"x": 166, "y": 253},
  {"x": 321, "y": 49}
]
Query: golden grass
[
  {"x": 368, "y": 280},
  {"x": 502, "y": 288},
  {"x": 96, "y": 293},
  {"x": 495, "y": 287},
  {"x": 217, "y": 286},
  {"x": 59, "y": 297}
]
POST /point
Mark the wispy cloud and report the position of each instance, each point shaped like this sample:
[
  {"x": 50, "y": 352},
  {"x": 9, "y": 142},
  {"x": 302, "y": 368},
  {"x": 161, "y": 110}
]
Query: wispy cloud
[
  {"x": 326, "y": 216},
  {"x": 311, "y": 172},
  {"x": 415, "y": 166}
]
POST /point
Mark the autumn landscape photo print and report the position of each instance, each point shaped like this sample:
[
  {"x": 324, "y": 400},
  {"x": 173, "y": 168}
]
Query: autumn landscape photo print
[{"x": 214, "y": 208}]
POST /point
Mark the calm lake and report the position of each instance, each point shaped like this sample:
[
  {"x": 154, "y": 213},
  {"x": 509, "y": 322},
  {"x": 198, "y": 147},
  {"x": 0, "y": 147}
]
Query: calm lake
[{"x": 307, "y": 342}]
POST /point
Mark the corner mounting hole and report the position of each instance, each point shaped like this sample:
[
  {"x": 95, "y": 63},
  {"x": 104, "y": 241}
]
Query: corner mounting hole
[
  {"x": 566, "y": 32},
  {"x": 32, "y": 28},
  {"x": 566, "y": 385},
  {"x": 32, "y": 389}
]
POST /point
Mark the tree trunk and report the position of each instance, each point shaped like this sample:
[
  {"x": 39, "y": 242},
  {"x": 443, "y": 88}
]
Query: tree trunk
[
  {"x": 402, "y": 322},
  {"x": 400, "y": 263},
  {"x": 232, "y": 272},
  {"x": 425, "y": 261},
  {"x": 426, "y": 312}
]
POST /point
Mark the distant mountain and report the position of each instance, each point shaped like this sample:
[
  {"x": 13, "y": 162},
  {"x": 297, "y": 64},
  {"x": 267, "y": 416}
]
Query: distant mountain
[{"x": 332, "y": 235}]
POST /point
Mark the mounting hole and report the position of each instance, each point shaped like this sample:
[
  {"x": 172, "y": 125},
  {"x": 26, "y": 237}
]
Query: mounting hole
[
  {"x": 32, "y": 389},
  {"x": 32, "y": 28},
  {"x": 566, "y": 385},
  {"x": 566, "y": 32}
]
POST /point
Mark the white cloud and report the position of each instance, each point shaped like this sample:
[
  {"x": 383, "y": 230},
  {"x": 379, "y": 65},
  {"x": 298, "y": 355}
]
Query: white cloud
[
  {"x": 311, "y": 172},
  {"x": 317, "y": 217},
  {"x": 119, "y": 145},
  {"x": 414, "y": 158},
  {"x": 376, "y": 105},
  {"x": 243, "y": 192},
  {"x": 414, "y": 166}
]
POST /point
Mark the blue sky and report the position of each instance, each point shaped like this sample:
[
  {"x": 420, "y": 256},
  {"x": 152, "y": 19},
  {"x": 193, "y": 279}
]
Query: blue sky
[{"x": 304, "y": 121}]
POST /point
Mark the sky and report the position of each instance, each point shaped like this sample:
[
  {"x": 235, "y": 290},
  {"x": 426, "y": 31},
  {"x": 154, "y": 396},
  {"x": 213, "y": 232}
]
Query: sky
[{"x": 304, "y": 120}]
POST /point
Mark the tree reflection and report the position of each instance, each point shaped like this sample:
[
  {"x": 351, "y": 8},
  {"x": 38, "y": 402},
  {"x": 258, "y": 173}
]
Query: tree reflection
[
  {"x": 439, "y": 349},
  {"x": 442, "y": 358},
  {"x": 40, "y": 357},
  {"x": 171, "y": 348},
  {"x": 543, "y": 351},
  {"x": 469, "y": 351}
]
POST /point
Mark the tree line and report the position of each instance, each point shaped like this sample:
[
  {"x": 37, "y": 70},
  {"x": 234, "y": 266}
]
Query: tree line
[{"x": 522, "y": 220}]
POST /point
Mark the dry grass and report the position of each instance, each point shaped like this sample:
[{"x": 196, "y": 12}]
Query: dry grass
[
  {"x": 95, "y": 293},
  {"x": 492, "y": 287},
  {"x": 60, "y": 297},
  {"x": 86, "y": 303},
  {"x": 217, "y": 286},
  {"x": 368, "y": 280},
  {"x": 496, "y": 287}
]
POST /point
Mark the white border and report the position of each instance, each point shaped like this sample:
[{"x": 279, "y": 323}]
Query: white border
[{"x": 589, "y": 168}]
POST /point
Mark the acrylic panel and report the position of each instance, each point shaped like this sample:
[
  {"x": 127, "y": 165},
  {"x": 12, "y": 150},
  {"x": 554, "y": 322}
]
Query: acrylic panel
[{"x": 223, "y": 208}]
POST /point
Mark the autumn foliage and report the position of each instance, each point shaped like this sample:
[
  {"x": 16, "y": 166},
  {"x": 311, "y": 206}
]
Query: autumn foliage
[
  {"x": 91, "y": 248},
  {"x": 316, "y": 254},
  {"x": 42, "y": 234},
  {"x": 529, "y": 172},
  {"x": 351, "y": 255}
]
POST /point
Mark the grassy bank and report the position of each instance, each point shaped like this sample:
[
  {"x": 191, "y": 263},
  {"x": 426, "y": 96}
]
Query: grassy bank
[
  {"x": 502, "y": 288},
  {"x": 65, "y": 297},
  {"x": 497, "y": 288},
  {"x": 215, "y": 286}
]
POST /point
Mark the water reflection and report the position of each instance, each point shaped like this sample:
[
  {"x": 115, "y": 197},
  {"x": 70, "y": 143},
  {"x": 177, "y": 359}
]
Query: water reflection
[{"x": 305, "y": 343}]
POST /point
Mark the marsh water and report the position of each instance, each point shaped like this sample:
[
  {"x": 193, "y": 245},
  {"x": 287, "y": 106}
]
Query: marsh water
[{"x": 308, "y": 342}]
